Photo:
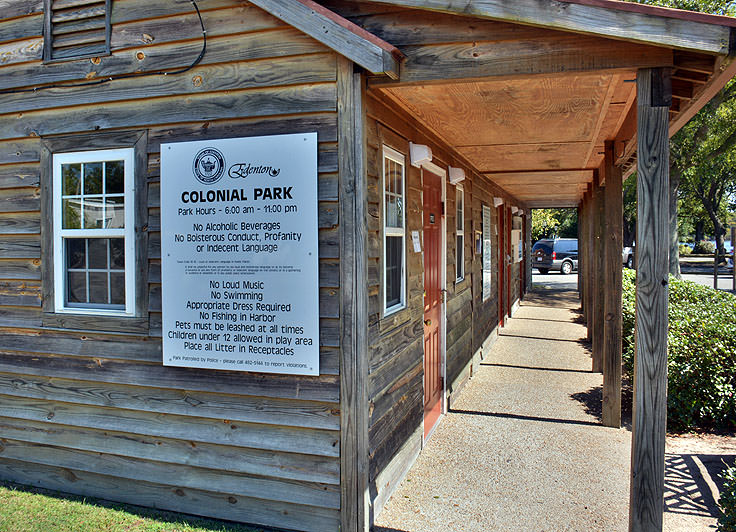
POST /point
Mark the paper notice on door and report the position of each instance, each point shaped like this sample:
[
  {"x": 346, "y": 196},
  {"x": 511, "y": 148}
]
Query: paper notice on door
[{"x": 415, "y": 240}]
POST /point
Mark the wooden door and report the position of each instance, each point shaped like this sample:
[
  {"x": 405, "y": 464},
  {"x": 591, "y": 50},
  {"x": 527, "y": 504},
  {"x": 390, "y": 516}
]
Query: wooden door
[
  {"x": 501, "y": 264},
  {"x": 509, "y": 260},
  {"x": 432, "y": 225}
]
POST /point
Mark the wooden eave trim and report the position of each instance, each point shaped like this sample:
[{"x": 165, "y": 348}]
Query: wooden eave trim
[
  {"x": 658, "y": 11},
  {"x": 341, "y": 35},
  {"x": 610, "y": 21}
]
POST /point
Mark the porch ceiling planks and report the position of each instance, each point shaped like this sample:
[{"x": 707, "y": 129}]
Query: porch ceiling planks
[{"x": 538, "y": 136}]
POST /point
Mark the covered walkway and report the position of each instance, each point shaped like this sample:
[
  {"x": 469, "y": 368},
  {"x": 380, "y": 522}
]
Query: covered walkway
[{"x": 522, "y": 448}]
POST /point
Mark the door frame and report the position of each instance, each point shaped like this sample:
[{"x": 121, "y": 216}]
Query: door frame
[{"x": 442, "y": 174}]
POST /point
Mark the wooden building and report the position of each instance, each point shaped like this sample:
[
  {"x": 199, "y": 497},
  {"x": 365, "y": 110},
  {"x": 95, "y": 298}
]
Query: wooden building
[{"x": 439, "y": 126}]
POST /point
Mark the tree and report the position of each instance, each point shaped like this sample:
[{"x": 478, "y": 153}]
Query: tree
[
  {"x": 552, "y": 223},
  {"x": 701, "y": 153}
]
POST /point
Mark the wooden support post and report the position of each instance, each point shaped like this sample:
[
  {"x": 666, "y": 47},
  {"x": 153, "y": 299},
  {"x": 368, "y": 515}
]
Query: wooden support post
[
  {"x": 654, "y": 97},
  {"x": 354, "y": 495},
  {"x": 581, "y": 289},
  {"x": 589, "y": 280},
  {"x": 597, "y": 265},
  {"x": 613, "y": 243}
]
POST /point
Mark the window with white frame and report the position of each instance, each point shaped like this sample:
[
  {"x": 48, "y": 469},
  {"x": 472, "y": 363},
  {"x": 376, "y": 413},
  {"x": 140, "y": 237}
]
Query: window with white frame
[
  {"x": 459, "y": 233},
  {"x": 394, "y": 231},
  {"x": 93, "y": 236}
]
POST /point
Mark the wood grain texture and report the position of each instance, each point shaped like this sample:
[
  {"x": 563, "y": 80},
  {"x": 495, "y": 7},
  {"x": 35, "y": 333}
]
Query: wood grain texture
[
  {"x": 234, "y": 408},
  {"x": 188, "y": 500},
  {"x": 613, "y": 243},
  {"x": 182, "y": 476},
  {"x": 353, "y": 303},
  {"x": 599, "y": 286},
  {"x": 557, "y": 53},
  {"x": 624, "y": 25},
  {"x": 152, "y": 58},
  {"x": 350, "y": 44},
  {"x": 258, "y": 102},
  {"x": 323, "y": 388},
  {"x": 650, "y": 372}
]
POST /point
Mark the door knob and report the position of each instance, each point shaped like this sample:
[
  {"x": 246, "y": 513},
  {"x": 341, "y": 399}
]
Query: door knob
[{"x": 427, "y": 322}]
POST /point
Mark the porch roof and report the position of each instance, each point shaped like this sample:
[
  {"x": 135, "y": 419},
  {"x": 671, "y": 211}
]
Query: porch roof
[{"x": 527, "y": 92}]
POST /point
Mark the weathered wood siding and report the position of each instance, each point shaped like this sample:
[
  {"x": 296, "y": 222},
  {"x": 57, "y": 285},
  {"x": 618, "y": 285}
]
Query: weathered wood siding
[
  {"x": 97, "y": 414},
  {"x": 395, "y": 342}
]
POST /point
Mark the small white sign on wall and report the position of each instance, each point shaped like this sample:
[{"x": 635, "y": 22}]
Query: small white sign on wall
[
  {"x": 486, "y": 252},
  {"x": 239, "y": 254}
]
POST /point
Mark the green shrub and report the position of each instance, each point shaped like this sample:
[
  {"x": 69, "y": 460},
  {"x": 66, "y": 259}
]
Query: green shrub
[
  {"x": 727, "y": 502},
  {"x": 702, "y": 354},
  {"x": 684, "y": 250},
  {"x": 704, "y": 248}
]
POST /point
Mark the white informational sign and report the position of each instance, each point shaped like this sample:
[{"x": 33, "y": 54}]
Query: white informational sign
[
  {"x": 486, "y": 252},
  {"x": 239, "y": 254},
  {"x": 415, "y": 240}
]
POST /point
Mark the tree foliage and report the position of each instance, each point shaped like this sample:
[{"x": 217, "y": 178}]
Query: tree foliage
[
  {"x": 552, "y": 223},
  {"x": 703, "y": 153}
]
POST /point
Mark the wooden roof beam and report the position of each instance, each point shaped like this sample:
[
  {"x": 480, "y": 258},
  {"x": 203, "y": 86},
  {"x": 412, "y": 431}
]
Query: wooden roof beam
[
  {"x": 555, "y": 53},
  {"x": 667, "y": 28},
  {"x": 338, "y": 33},
  {"x": 548, "y": 177}
]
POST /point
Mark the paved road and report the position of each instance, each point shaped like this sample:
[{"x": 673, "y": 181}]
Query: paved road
[
  {"x": 555, "y": 280},
  {"x": 570, "y": 282}
]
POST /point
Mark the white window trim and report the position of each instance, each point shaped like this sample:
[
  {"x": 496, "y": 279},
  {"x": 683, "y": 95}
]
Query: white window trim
[
  {"x": 460, "y": 193},
  {"x": 128, "y": 232},
  {"x": 397, "y": 157}
]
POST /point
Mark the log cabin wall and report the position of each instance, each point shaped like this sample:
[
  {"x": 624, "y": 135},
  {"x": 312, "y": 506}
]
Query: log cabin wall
[
  {"x": 395, "y": 342},
  {"x": 95, "y": 413}
]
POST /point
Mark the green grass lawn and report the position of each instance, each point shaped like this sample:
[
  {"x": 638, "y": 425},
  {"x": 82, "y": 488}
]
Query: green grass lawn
[{"x": 24, "y": 509}]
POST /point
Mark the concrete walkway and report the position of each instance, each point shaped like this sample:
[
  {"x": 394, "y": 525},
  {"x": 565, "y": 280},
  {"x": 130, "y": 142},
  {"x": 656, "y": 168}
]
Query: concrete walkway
[{"x": 522, "y": 448}]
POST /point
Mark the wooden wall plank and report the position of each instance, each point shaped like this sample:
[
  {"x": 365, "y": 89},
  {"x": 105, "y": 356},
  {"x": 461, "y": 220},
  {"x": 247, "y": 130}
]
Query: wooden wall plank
[
  {"x": 20, "y": 247},
  {"x": 257, "y": 102},
  {"x": 182, "y": 476},
  {"x": 235, "y": 408},
  {"x": 194, "y": 429},
  {"x": 323, "y": 388},
  {"x": 267, "y": 72},
  {"x": 19, "y": 8},
  {"x": 20, "y": 293},
  {"x": 210, "y": 456},
  {"x": 187, "y": 500},
  {"x": 151, "y": 58},
  {"x": 12, "y": 176}
]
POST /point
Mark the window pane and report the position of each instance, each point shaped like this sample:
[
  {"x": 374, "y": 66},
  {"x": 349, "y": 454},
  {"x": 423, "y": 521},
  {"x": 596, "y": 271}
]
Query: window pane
[
  {"x": 71, "y": 213},
  {"x": 114, "y": 212},
  {"x": 117, "y": 288},
  {"x": 460, "y": 257},
  {"x": 394, "y": 211},
  {"x": 114, "y": 177},
  {"x": 75, "y": 254},
  {"x": 98, "y": 287},
  {"x": 394, "y": 257},
  {"x": 76, "y": 287},
  {"x": 70, "y": 176},
  {"x": 94, "y": 213},
  {"x": 459, "y": 210},
  {"x": 97, "y": 249},
  {"x": 117, "y": 254},
  {"x": 93, "y": 178}
]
